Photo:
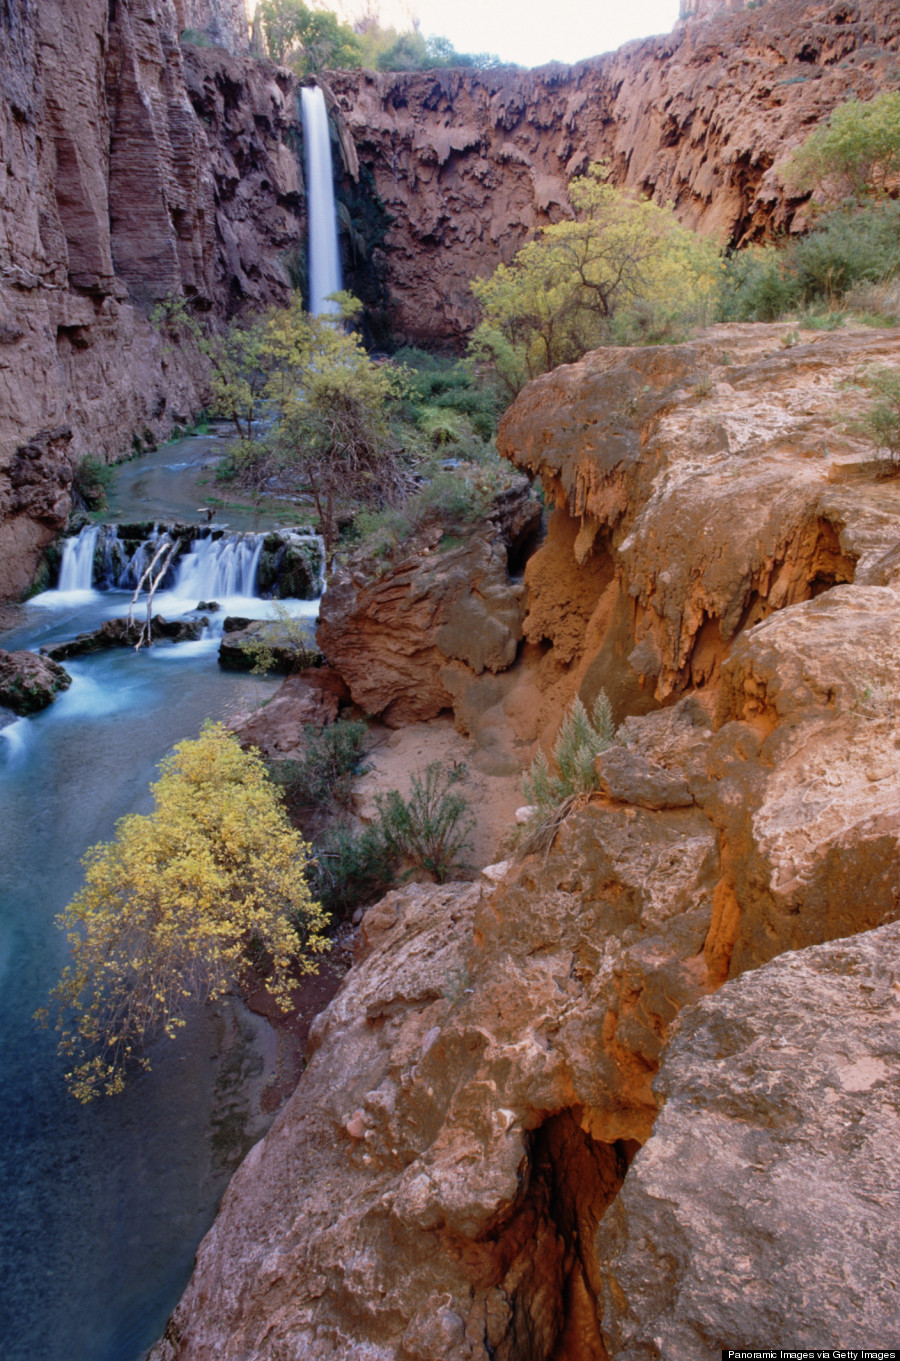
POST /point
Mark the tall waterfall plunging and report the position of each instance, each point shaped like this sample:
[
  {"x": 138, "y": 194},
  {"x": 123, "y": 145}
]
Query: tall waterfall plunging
[{"x": 324, "y": 261}]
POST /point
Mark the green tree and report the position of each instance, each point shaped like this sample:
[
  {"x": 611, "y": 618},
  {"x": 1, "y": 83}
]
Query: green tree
[
  {"x": 307, "y": 40},
  {"x": 622, "y": 270},
  {"x": 176, "y": 908},
  {"x": 323, "y": 405},
  {"x": 387, "y": 50},
  {"x": 855, "y": 154}
]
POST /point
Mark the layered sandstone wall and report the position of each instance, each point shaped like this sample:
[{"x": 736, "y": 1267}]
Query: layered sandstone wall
[
  {"x": 470, "y": 163},
  {"x": 131, "y": 169}
]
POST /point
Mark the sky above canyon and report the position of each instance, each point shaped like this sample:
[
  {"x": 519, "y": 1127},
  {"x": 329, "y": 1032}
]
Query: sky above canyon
[{"x": 533, "y": 32}]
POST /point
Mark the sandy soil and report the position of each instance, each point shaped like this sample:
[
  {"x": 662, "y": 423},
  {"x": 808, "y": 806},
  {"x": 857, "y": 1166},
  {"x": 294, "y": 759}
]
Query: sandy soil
[{"x": 397, "y": 755}]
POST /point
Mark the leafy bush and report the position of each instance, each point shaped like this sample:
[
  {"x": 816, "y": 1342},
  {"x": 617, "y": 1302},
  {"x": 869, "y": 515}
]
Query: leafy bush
[
  {"x": 881, "y": 423},
  {"x": 308, "y": 405},
  {"x": 330, "y": 764},
  {"x": 854, "y": 154},
  {"x": 350, "y": 867},
  {"x": 432, "y": 826},
  {"x": 305, "y": 38},
  {"x": 174, "y": 909},
  {"x": 553, "y": 793},
  {"x": 757, "y": 286},
  {"x": 452, "y": 497},
  {"x": 443, "y": 426},
  {"x": 91, "y": 479},
  {"x": 849, "y": 248},
  {"x": 623, "y": 269}
]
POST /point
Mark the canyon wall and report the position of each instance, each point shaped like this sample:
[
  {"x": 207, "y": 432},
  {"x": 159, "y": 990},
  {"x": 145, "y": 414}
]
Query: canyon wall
[
  {"x": 131, "y": 169},
  {"x": 134, "y": 167},
  {"x": 469, "y": 163},
  {"x": 223, "y": 22}
]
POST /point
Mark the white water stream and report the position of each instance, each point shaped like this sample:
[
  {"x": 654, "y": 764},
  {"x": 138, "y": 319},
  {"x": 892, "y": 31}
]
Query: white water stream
[{"x": 324, "y": 260}]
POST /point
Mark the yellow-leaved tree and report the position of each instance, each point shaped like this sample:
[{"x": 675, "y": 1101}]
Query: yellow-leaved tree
[
  {"x": 622, "y": 271},
  {"x": 178, "y": 909}
]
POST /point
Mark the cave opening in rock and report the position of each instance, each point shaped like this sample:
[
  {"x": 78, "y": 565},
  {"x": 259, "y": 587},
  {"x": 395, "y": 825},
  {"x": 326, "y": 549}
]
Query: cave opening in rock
[{"x": 553, "y": 1281}]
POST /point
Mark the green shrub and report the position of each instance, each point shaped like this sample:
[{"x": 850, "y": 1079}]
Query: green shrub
[
  {"x": 326, "y": 771},
  {"x": 349, "y": 868},
  {"x": 553, "y": 793},
  {"x": 849, "y": 248},
  {"x": 881, "y": 423},
  {"x": 91, "y": 479},
  {"x": 442, "y": 425},
  {"x": 432, "y": 826},
  {"x": 758, "y": 286},
  {"x": 856, "y": 152},
  {"x": 453, "y": 497}
]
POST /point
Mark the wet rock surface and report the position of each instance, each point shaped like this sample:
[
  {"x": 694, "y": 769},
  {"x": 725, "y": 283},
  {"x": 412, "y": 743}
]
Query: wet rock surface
[
  {"x": 127, "y": 633},
  {"x": 762, "y": 1207},
  {"x": 28, "y": 682}
]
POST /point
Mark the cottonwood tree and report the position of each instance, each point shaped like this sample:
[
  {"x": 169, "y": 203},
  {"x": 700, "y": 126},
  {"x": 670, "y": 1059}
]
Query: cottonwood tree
[
  {"x": 179, "y": 907},
  {"x": 306, "y": 39},
  {"x": 855, "y": 154},
  {"x": 310, "y": 407},
  {"x": 623, "y": 269}
]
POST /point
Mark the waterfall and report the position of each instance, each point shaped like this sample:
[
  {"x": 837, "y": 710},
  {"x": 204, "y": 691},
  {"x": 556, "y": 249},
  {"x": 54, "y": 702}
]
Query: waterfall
[
  {"x": 76, "y": 570},
  {"x": 217, "y": 568},
  {"x": 324, "y": 261}
]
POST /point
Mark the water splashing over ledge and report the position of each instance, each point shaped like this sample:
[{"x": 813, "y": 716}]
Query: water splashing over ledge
[{"x": 208, "y": 564}]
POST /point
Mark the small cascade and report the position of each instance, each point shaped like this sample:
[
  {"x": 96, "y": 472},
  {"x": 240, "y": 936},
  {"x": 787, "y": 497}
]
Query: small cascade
[
  {"x": 217, "y": 568},
  {"x": 324, "y": 260},
  {"x": 76, "y": 571},
  {"x": 207, "y": 564},
  {"x": 134, "y": 568}
]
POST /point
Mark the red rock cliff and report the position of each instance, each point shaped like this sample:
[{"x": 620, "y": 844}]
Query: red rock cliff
[
  {"x": 131, "y": 169},
  {"x": 470, "y": 163}
]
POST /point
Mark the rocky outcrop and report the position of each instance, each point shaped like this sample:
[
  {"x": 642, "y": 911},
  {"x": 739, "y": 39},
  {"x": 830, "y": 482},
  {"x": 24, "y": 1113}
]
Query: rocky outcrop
[
  {"x": 132, "y": 169},
  {"x": 698, "y": 488},
  {"x": 311, "y": 698},
  {"x": 761, "y": 1208},
  {"x": 28, "y": 683},
  {"x": 126, "y": 633},
  {"x": 409, "y": 635},
  {"x": 440, "y": 1183},
  {"x": 437, "y": 1185},
  {"x": 469, "y": 164},
  {"x": 285, "y": 644}
]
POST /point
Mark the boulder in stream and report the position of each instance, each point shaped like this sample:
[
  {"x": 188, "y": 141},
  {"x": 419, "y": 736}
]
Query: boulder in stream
[
  {"x": 122, "y": 633},
  {"x": 242, "y": 639},
  {"x": 28, "y": 682}
]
